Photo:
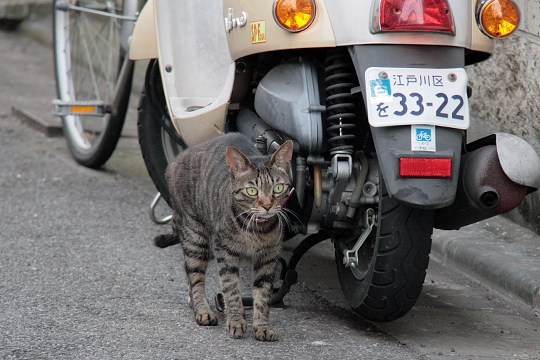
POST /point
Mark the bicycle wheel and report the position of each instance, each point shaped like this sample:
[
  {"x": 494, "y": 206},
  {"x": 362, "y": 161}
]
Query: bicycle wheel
[{"x": 88, "y": 56}]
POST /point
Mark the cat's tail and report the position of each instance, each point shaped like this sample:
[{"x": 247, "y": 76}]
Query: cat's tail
[{"x": 166, "y": 240}]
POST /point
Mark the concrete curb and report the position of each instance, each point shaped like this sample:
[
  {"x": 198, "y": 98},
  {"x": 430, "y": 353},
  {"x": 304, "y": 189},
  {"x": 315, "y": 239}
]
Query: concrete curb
[
  {"x": 37, "y": 123},
  {"x": 16, "y": 11},
  {"x": 498, "y": 252}
]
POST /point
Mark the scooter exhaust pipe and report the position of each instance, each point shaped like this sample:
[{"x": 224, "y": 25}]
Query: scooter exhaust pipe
[{"x": 484, "y": 191}]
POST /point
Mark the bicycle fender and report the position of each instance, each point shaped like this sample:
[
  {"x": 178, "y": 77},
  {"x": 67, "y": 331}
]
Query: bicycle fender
[{"x": 144, "y": 39}]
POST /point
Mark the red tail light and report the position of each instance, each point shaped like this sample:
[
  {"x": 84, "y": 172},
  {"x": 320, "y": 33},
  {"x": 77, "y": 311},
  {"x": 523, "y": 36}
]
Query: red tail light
[
  {"x": 413, "y": 15},
  {"x": 425, "y": 167}
]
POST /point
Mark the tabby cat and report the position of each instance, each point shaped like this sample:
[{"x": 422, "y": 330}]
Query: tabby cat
[{"x": 227, "y": 202}]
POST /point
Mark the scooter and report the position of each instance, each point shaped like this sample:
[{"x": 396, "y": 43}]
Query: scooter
[{"x": 374, "y": 95}]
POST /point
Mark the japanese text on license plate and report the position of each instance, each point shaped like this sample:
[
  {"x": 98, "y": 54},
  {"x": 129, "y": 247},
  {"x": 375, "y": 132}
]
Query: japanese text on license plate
[{"x": 403, "y": 96}]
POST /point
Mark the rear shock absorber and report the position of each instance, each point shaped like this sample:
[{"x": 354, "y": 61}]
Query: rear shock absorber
[{"x": 340, "y": 78}]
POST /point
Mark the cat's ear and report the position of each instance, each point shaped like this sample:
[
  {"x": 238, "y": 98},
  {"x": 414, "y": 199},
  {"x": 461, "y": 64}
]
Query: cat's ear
[
  {"x": 236, "y": 161},
  {"x": 282, "y": 156}
]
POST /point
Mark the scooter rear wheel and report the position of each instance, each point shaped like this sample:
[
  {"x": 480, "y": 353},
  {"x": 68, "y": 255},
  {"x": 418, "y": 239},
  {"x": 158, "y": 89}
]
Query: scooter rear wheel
[{"x": 392, "y": 261}]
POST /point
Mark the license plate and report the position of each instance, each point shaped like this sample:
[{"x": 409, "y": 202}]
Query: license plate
[{"x": 406, "y": 96}]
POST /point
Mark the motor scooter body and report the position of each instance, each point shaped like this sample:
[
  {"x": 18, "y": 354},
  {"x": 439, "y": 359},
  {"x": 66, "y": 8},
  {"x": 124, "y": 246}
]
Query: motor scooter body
[
  {"x": 201, "y": 46},
  {"x": 377, "y": 117}
]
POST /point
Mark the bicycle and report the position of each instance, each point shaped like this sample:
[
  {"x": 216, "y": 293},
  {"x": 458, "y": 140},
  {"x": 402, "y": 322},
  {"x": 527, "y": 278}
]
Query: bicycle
[{"x": 93, "y": 73}]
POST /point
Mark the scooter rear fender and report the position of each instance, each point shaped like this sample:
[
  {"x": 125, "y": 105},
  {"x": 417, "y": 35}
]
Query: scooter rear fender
[
  {"x": 143, "y": 44},
  {"x": 394, "y": 142}
]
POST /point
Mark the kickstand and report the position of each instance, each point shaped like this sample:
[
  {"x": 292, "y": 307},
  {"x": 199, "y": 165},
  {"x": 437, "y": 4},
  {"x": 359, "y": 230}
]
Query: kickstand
[
  {"x": 288, "y": 274},
  {"x": 152, "y": 212}
]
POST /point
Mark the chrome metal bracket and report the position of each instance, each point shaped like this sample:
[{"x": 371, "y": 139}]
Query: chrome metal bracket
[
  {"x": 350, "y": 257},
  {"x": 153, "y": 205}
]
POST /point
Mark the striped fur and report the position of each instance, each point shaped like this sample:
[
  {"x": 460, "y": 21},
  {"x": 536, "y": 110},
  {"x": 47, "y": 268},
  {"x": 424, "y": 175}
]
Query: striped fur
[{"x": 226, "y": 201}]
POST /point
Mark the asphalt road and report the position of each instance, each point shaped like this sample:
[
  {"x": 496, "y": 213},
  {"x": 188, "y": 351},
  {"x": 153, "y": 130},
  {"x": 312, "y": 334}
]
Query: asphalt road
[{"x": 80, "y": 278}]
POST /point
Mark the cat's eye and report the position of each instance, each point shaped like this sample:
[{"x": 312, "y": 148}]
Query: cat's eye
[
  {"x": 251, "y": 191},
  {"x": 278, "y": 188}
]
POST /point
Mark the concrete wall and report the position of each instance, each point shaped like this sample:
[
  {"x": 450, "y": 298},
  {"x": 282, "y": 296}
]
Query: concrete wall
[{"x": 506, "y": 95}]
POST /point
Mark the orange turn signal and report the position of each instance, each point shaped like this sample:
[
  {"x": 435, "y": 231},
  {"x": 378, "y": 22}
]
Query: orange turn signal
[
  {"x": 498, "y": 18},
  {"x": 294, "y": 15}
]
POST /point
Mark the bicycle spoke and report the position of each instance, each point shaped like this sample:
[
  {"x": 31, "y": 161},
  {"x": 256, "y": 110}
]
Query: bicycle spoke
[
  {"x": 105, "y": 64},
  {"x": 88, "y": 58}
]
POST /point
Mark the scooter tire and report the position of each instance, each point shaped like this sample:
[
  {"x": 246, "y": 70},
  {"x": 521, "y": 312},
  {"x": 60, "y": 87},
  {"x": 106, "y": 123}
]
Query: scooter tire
[
  {"x": 152, "y": 151},
  {"x": 397, "y": 265},
  {"x": 152, "y": 108}
]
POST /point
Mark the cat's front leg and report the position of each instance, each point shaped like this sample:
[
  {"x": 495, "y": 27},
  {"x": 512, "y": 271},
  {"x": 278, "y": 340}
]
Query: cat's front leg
[
  {"x": 262, "y": 291},
  {"x": 228, "y": 264},
  {"x": 196, "y": 257}
]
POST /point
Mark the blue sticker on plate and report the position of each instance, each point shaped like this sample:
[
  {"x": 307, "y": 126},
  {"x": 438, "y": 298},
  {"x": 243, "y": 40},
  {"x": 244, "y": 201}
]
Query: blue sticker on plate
[{"x": 380, "y": 90}]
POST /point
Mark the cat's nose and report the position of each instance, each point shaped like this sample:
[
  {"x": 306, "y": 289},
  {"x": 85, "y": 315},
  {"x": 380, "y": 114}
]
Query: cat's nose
[{"x": 267, "y": 208}]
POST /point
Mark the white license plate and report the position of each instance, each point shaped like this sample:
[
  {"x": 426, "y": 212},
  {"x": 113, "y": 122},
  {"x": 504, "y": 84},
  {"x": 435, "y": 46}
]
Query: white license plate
[{"x": 406, "y": 96}]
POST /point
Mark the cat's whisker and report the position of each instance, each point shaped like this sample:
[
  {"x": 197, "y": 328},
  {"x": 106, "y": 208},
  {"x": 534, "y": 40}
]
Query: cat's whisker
[
  {"x": 280, "y": 225},
  {"x": 248, "y": 221},
  {"x": 286, "y": 219},
  {"x": 246, "y": 224},
  {"x": 290, "y": 212},
  {"x": 254, "y": 226},
  {"x": 242, "y": 213},
  {"x": 283, "y": 219},
  {"x": 251, "y": 220},
  {"x": 287, "y": 212}
]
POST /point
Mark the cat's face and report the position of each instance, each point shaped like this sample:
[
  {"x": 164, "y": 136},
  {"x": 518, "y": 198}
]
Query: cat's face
[{"x": 261, "y": 190}]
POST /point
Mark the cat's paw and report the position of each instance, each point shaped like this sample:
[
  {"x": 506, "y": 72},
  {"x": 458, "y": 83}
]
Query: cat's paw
[
  {"x": 265, "y": 333},
  {"x": 236, "y": 326},
  {"x": 206, "y": 318}
]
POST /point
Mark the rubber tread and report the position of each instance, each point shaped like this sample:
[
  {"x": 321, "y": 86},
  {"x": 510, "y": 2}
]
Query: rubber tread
[
  {"x": 397, "y": 273},
  {"x": 149, "y": 125}
]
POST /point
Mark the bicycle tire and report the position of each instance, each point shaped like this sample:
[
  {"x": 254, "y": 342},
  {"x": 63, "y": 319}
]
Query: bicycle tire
[{"x": 90, "y": 76}]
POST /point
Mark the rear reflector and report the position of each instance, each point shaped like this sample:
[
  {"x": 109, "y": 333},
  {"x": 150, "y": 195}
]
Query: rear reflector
[{"x": 425, "y": 167}]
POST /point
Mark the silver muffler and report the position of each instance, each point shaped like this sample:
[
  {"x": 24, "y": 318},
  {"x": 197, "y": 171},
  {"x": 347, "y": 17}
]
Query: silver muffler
[{"x": 496, "y": 173}]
